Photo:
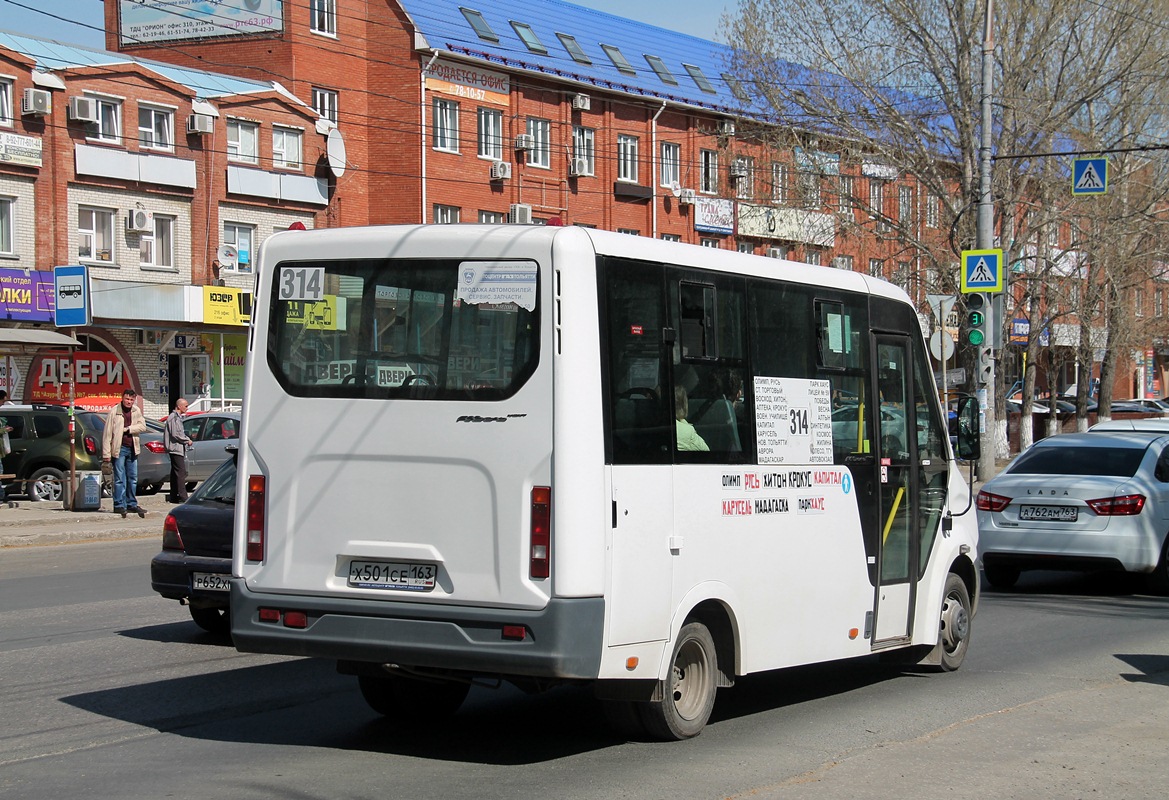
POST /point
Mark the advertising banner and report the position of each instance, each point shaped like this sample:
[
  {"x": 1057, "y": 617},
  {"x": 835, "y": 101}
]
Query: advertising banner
[
  {"x": 26, "y": 296},
  {"x": 223, "y": 305},
  {"x": 99, "y": 380},
  {"x": 144, "y": 21}
]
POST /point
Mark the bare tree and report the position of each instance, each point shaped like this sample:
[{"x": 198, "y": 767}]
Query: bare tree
[{"x": 899, "y": 81}]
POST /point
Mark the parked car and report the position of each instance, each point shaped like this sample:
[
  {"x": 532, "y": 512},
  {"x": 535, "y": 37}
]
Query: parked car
[
  {"x": 40, "y": 447},
  {"x": 1147, "y": 404},
  {"x": 1079, "y": 501},
  {"x": 212, "y": 433},
  {"x": 1146, "y": 424},
  {"x": 195, "y": 563},
  {"x": 153, "y": 460}
]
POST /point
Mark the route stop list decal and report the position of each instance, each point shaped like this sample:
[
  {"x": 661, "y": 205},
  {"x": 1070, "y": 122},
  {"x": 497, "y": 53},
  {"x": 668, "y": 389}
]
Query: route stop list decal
[{"x": 793, "y": 420}]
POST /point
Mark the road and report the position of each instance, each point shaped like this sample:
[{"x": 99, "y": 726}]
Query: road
[{"x": 109, "y": 691}]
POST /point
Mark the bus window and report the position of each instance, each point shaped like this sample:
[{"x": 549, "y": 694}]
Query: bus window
[
  {"x": 708, "y": 369},
  {"x": 641, "y": 416}
]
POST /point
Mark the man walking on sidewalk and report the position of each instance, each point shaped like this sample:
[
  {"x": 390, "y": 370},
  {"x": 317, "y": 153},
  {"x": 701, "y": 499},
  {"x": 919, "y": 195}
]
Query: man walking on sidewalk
[
  {"x": 120, "y": 445},
  {"x": 176, "y": 440}
]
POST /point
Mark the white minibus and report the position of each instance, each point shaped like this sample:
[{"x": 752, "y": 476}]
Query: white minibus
[{"x": 550, "y": 455}]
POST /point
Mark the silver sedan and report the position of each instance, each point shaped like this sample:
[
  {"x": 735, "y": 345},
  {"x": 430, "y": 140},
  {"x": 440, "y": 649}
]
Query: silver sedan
[{"x": 1081, "y": 501}]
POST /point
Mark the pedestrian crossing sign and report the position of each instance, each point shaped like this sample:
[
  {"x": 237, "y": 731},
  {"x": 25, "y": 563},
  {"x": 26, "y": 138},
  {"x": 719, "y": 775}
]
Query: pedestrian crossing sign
[
  {"x": 982, "y": 271},
  {"x": 1090, "y": 176}
]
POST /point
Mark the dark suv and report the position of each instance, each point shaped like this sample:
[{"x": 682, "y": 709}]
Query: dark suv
[{"x": 40, "y": 448}]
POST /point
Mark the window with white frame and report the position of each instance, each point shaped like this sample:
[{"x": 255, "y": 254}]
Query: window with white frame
[
  {"x": 671, "y": 237},
  {"x": 325, "y": 103},
  {"x": 875, "y": 267},
  {"x": 109, "y": 120},
  {"x": 1159, "y": 303},
  {"x": 286, "y": 147},
  {"x": 6, "y": 113},
  {"x": 446, "y": 215},
  {"x": 156, "y": 128},
  {"x": 846, "y": 200},
  {"x": 1074, "y": 294},
  {"x": 813, "y": 257},
  {"x": 779, "y": 181},
  {"x": 746, "y": 247},
  {"x": 810, "y": 188},
  {"x": 7, "y": 226},
  {"x": 778, "y": 251},
  {"x": 745, "y": 184},
  {"x": 445, "y": 132},
  {"x": 706, "y": 241},
  {"x": 492, "y": 217},
  {"x": 671, "y": 170},
  {"x": 490, "y": 133},
  {"x": 708, "y": 177},
  {"x": 95, "y": 234},
  {"x": 156, "y": 247},
  {"x": 1138, "y": 301},
  {"x": 323, "y": 17},
  {"x": 905, "y": 205},
  {"x": 843, "y": 262},
  {"x": 242, "y": 140},
  {"x": 627, "y": 158},
  {"x": 1053, "y": 234},
  {"x": 629, "y": 231},
  {"x": 877, "y": 203},
  {"x": 242, "y": 238},
  {"x": 584, "y": 146},
  {"x": 932, "y": 210},
  {"x": 541, "y": 132}
]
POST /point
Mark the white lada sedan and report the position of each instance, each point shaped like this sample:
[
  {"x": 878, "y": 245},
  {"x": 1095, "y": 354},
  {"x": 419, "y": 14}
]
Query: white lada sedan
[{"x": 1080, "y": 501}]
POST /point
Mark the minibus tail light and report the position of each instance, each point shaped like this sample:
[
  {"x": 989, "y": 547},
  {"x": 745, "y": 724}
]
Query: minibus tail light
[
  {"x": 256, "y": 520},
  {"x": 541, "y": 531}
]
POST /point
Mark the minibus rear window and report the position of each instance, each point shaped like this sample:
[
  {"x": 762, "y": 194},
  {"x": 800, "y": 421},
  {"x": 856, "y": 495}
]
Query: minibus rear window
[{"x": 412, "y": 328}]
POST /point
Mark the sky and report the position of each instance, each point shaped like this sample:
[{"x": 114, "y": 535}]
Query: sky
[{"x": 83, "y": 19}]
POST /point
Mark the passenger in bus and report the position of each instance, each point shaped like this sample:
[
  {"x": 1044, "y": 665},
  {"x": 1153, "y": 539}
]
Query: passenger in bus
[{"x": 688, "y": 438}]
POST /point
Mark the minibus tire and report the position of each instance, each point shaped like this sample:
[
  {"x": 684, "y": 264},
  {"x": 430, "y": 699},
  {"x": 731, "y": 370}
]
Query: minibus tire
[
  {"x": 688, "y": 696},
  {"x": 954, "y": 636},
  {"x": 397, "y": 696}
]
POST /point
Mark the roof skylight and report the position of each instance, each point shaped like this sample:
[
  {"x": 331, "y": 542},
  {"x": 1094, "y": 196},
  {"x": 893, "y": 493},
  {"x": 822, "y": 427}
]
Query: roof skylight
[
  {"x": 736, "y": 87},
  {"x": 700, "y": 79},
  {"x": 619, "y": 60},
  {"x": 662, "y": 70},
  {"x": 479, "y": 24},
  {"x": 529, "y": 38},
  {"x": 574, "y": 49}
]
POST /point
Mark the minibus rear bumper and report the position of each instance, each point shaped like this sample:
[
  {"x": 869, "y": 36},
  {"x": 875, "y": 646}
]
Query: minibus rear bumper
[{"x": 563, "y": 640}]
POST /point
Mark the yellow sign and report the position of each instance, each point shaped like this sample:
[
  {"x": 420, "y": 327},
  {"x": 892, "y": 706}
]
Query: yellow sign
[
  {"x": 318, "y": 316},
  {"x": 223, "y": 305}
]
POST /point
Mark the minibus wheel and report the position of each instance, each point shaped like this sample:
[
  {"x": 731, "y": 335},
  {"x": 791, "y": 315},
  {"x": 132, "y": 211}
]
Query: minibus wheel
[
  {"x": 954, "y": 636},
  {"x": 688, "y": 696}
]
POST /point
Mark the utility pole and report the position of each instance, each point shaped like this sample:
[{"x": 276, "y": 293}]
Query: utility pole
[{"x": 985, "y": 241}]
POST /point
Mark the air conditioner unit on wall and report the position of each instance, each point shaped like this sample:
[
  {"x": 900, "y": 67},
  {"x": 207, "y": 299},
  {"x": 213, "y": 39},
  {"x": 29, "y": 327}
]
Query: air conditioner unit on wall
[
  {"x": 578, "y": 166},
  {"x": 520, "y": 214},
  {"x": 200, "y": 123},
  {"x": 139, "y": 221},
  {"x": 726, "y": 127},
  {"x": 686, "y": 197},
  {"x": 37, "y": 102},
  {"x": 500, "y": 170},
  {"x": 83, "y": 109},
  {"x": 581, "y": 102},
  {"x": 525, "y": 141},
  {"x": 738, "y": 170}
]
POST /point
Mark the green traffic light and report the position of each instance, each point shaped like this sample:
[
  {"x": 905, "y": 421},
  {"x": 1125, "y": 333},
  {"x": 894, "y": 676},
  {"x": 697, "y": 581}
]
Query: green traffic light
[
  {"x": 976, "y": 319},
  {"x": 976, "y": 338}
]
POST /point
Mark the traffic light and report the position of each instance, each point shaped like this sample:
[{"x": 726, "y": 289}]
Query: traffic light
[
  {"x": 977, "y": 312},
  {"x": 984, "y": 365}
]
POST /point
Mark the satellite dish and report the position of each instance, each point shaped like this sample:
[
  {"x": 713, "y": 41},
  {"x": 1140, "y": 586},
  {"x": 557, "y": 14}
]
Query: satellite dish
[
  {"x": 335, "y": 152},
  {"x": 676, "y": 189},
  {"x": 226, "y": 255}
]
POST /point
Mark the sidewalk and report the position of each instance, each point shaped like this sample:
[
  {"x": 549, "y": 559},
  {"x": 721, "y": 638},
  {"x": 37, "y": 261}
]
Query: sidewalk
[{"x": 47, "y": 523}]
